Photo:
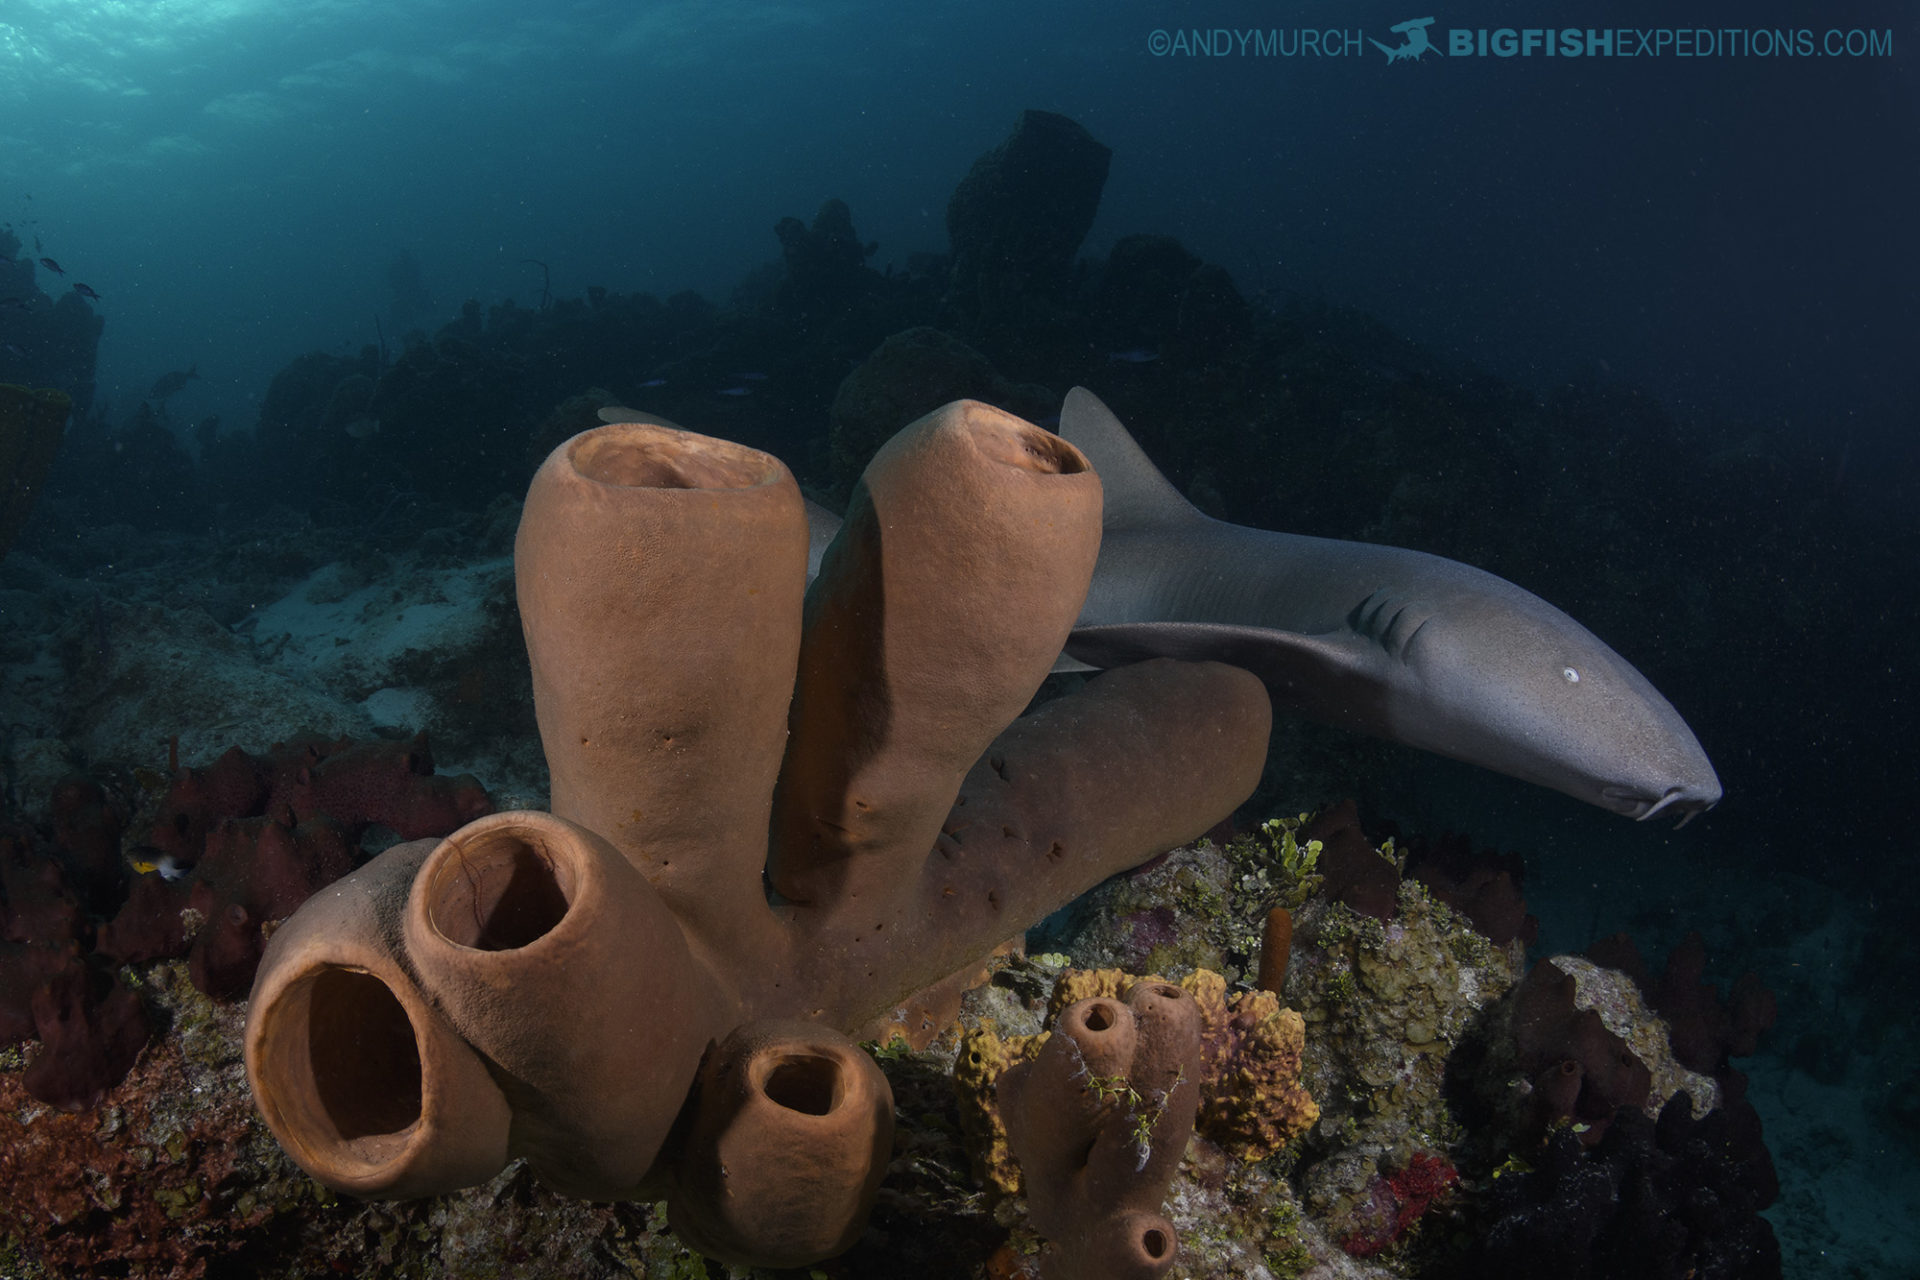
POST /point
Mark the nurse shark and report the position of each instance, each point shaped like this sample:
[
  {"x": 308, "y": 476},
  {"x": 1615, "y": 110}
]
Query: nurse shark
[{"x": 1400, "y": 644}]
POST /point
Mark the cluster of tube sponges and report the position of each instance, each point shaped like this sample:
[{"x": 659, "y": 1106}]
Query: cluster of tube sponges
[{"x": 643, "y": 993}]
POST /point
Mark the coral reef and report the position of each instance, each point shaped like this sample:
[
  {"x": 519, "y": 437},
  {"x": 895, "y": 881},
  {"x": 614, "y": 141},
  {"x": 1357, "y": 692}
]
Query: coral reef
[
  {"x": 157, "y": 1183},
  {"x": 1666, "y": 1198},
  {"x": 1576, "y": 1041},
  {"x": 238, "y": 846},
  {"x": 1315, "y": 418},
  {"x": 1395, "y": 1206},
  {"x": 910, "y": 374},
  {"x": 826, "y": 262},
  {"x": 355, "y": 784},
  {"x": 908, "y": 839},
  {"x": 90, "y": 1025},
  {"x": 137, "y": 472},
  {"x": 1704, "y": 1030},
  {"x": 1388, "y": 1006},
  {"x": 1230, "y": 1215},
  {"x": 1017, "y": 219},
  {"x": 45, "y": 341},
  {"x": 1251, "y": 1054},
  {"x": 1482, "y": 885},
  {"x": 175, "y": 1179},
  {"x": 1396, "y": 1201},
  {"x": 31, "y": 424},
  {"x": 1251, "y": 1100},
  {"x": 1158, "y": 302}
]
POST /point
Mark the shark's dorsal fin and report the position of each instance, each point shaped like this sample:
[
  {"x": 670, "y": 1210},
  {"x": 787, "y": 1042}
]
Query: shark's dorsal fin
[{"x": 1137, "y": 495}]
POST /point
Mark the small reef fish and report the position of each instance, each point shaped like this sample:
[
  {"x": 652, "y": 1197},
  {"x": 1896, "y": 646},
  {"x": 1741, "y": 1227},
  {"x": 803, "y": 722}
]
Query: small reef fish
[
  {"x": 1133, "y": 355},
  {"x": 169, "y": 383},
  {"x": 654, "y": 382},
  {"x": 362, "y": 427},
  {"x": 85, "y": 291},
  {"x": 53, "y": 266},
  {"x": 734, "y": 391},
  {"x": 166, "y": 866}
]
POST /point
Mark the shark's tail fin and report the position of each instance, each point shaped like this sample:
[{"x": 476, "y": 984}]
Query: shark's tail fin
[{"x": 1137, "y": 495}]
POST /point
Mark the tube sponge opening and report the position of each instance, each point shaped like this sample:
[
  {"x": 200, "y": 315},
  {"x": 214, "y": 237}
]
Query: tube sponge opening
[
  {"x": 641, "y": 455},
  {"x": 358, "y": 1076},
  {"x": 807, "y": 1084},
  {"x": 347, "y": 1050},
  {"x": 790, "y": 1133},
  {"x": 1017, "y": 443},
  {"x": 500, "y": 890}
]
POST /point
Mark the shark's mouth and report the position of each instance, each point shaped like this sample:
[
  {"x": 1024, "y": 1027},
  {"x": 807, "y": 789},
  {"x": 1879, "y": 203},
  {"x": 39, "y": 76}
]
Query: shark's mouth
[{"x": 1687, "y": 801}]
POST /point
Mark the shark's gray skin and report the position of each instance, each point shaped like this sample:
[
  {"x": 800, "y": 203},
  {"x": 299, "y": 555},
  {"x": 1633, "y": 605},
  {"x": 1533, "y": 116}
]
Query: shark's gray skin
[{"x": 1407, "y": 646}]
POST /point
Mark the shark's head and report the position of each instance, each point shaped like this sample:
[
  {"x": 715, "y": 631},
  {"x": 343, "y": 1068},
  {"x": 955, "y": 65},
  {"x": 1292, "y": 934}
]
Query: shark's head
[{"x": 1497, "y": 676}]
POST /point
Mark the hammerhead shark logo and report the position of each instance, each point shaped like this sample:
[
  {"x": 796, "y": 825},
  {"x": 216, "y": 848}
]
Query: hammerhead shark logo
[{"x": 1417, "y": 45}]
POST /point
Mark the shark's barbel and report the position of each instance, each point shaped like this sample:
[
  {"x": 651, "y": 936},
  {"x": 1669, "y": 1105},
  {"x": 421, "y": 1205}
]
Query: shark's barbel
[{"x": 1407, "y": 646}]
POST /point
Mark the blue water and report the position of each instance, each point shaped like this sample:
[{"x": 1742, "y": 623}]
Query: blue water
[
  {"x": 1732, "y": 235},
  {"x": 1729, "y": 232}
]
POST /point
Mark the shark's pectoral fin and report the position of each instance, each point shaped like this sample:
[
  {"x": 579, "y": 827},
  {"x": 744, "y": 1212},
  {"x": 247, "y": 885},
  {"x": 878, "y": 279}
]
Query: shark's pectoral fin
[{"x": 1333, "y": 677}]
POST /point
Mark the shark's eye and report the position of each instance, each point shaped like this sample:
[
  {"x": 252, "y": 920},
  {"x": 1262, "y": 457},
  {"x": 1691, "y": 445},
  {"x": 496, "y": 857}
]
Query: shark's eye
[{"x": 1570, "y": 675}]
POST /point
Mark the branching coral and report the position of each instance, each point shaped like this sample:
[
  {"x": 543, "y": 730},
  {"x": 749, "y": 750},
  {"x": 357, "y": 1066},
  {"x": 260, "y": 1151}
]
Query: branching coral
[{"x": 551, "y": 986}]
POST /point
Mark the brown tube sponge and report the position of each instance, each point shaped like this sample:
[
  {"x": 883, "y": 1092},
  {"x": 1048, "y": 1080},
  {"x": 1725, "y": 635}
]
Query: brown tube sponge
[
  {"x": 556, "y": 959},
  {"x": 940, "y": 607},
  {"x": 1098, "y": 1121},
  {"x": 363, "y": 1082},
  {"x": 1086, "y": 786},
  {"x": 660, "y": 577},
  {"x": 593, "y": 956},
  {"x": 789, "y": 1138}
]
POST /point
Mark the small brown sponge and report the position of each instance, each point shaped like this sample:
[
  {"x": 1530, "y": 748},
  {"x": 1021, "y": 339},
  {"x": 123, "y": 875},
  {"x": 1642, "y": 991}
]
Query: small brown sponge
[
  {"x": 1099, "y": 1119},
  {"x": 1251, "y": 1100}
]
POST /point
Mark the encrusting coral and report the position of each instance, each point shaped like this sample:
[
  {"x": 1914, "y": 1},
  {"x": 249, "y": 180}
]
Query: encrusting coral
[{"x": 549, "y": 986}]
